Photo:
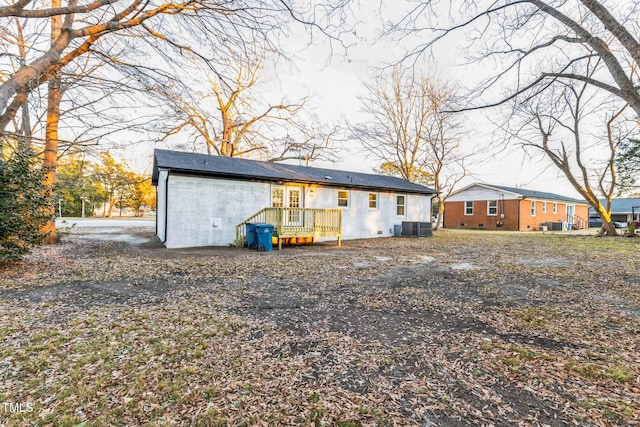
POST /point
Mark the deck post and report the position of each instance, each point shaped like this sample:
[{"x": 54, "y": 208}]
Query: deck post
[
  {"x": 340, "y": 227},
  {"x": 279, "y": 216}
]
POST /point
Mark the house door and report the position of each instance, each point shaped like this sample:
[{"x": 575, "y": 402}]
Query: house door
[
  {"x": 294, "y": 200},
  {"x": 289, "y": 197},
  {"x": 571, "y": 211}
]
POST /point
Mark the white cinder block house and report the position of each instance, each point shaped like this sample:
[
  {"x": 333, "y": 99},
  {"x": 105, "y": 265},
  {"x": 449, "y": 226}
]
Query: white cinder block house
[{"x": 204, "y": 200}]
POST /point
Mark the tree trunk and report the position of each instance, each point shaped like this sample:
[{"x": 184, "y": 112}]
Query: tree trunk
[
  {"x": 50, "y": 163},
  {"x": 24, "y": 143},
  {"x": 13, "y": 108},
  {"x": 25, "y": 127},
  {"x": 607, "y": 229},
  {"x": 112, "y": 203},
  {"x": 36, "y": 70},
  {"x": 440, "y": 213},
  {"x": 562, "y": 162},
  {"x": 227, "y": 136}
]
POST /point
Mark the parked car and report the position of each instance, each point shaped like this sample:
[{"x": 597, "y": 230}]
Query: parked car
[{"x": 597, "y": 222}]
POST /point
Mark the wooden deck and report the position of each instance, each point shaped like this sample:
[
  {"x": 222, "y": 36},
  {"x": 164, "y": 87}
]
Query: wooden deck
[{"x": 295, "y": 223}]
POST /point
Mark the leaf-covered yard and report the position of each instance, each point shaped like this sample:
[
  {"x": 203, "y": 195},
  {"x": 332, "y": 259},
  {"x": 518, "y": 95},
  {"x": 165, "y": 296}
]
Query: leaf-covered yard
[{"x": 463, "y": 328}]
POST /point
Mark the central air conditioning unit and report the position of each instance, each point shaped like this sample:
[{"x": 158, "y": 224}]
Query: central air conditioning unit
[
  {"x": 416, "y": 229},
  {"x": 554, "y": 226}
]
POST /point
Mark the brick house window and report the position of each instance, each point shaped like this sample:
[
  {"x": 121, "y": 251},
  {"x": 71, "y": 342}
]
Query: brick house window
[
  {"x": 544, "y": 207},
  {"x": 555, "y": 208},
  {"x": 533, "y": 208},
  {"x": 468, "y": 208},
  {"x": 492, "y": 207}
]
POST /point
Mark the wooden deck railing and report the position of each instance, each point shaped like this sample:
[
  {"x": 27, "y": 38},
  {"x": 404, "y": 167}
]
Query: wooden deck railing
[
  {"x": 296, "y": 222},
  {"x": 578, "y": 223}
]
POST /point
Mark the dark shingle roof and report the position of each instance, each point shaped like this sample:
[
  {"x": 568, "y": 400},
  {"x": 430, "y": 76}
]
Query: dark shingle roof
[
  {"x": 233, "y": 167},
  {"x": 621, "y": 206},
  {"x": 539, "y": 194}
]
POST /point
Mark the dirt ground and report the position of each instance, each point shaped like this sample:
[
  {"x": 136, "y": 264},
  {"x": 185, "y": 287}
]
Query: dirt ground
[{"x": 466, "y": 327}]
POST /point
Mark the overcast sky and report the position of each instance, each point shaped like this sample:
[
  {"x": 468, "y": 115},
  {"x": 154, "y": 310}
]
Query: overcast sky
[{"x": 334, "y": 83}]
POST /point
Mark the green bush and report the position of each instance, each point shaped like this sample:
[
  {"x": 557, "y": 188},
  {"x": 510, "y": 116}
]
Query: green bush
[{"x": 25, "y": 205}]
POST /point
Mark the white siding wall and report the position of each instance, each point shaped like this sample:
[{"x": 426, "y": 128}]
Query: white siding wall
[
  {"x": 205, "y": 211},
  {"x": 359, "y": 221},
  {"x": 161, "y": 204},
  {"x": 478, "y": 192}
]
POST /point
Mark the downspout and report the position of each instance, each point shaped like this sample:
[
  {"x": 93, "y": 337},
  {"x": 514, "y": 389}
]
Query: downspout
[
  {"x": 500, "y": 210},
  {"x": 519, "y": 211}
]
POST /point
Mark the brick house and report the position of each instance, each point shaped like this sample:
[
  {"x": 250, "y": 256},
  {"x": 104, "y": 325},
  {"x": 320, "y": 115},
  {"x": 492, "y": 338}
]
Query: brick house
[{"x": 495, "y": 207}]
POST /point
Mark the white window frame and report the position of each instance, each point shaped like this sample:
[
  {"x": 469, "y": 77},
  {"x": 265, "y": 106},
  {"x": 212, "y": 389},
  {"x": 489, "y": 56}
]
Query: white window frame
[
  {"x": 347, "y": 199},
  {"x": 544, "y": 207},
  {"x": 555, "y": 207},
  {"x": 534, "y": 208},
  {"x": 494, "y": 208},
  {"x": 281, "y": 197},
  {"x": 467, "y": 207},
  {"x": 374, "y": 200},
  {"x": 402, "y": 205},
  {"x": 279, "y": 202}
]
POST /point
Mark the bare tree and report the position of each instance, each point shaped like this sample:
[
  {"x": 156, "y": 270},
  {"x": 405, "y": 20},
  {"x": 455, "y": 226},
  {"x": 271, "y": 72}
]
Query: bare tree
[
  {"x": 399, "y": 110},
  {"x": 567, "y": 126},
  {"x": 413, "y": 131},
  {"x": 444, "y": 136},
  {"x": 101, "y": 30},
  {"x": 213, "y": 22},
  {"x": 22, "y": 130},
  {"x": 545, "y": 57},
  {"x": 306, "y": 140},
  {"x": 232, "y": 118},
  {"x": 91, "y": 30},
  {"x": 533, "y": 43}
]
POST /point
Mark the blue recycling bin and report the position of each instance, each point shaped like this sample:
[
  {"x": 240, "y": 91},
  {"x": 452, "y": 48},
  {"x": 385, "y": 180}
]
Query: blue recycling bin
[
  {"x": 264, "y": 232},
  {"x": 251, "y": 241}
]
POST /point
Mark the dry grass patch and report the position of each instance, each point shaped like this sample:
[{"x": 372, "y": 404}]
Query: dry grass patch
[{"x": 465, "y": 327}]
